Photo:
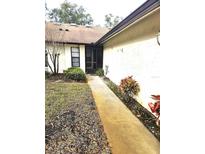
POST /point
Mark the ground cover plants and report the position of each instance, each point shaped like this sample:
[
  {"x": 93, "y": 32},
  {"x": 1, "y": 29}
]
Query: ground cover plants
[{"x": 99, "y": 72}]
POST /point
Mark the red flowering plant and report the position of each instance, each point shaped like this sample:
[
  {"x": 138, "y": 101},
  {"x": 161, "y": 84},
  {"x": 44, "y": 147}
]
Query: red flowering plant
[
  {"x": 155, "y": 107},
  {"x": 129, "y": 87}
]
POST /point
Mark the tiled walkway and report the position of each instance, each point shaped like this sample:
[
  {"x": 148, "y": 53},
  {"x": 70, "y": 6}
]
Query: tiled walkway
[{"x": 125, "y": 133}]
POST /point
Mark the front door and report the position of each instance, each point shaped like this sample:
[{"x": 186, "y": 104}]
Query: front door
[{"x": 93, "y": 58}]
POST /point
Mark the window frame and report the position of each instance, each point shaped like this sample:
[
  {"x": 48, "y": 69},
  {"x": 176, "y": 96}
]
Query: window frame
[{"x": 74, "y": 56}]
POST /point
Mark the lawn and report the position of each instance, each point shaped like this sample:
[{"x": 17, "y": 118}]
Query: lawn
[
  {"x": 60, "y": 95},
  {"x": 72, "y": 121}
]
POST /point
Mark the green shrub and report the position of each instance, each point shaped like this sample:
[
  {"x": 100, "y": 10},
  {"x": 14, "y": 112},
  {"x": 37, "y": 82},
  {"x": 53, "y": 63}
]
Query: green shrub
[
  {"x": 47, "y": 74},
  {"x": 74, "y": 73},
  {"x": 129, "y": 86},
  {"x": 99, "y": 72}
]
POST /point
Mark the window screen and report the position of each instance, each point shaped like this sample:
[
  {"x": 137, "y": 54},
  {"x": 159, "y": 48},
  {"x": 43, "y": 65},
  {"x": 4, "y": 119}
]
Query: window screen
[{"x": 75, "y": 56}]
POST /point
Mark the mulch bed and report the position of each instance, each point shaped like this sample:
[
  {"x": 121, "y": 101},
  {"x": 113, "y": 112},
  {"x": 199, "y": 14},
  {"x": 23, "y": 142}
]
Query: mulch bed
[
  {"x": 78, "y": 130},
  {"x": 147, "y": 118},
  {"x": 60, "y": 77}
]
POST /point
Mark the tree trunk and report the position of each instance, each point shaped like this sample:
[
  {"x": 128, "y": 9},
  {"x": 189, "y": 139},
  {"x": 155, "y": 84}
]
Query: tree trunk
[
  {"x": 50, "y": 67},
  {"x": 54, "y": 64},
  {"x": 57, "y": 63}
]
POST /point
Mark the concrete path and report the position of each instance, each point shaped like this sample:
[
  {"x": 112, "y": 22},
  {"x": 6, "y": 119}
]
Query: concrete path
[{"x": 125, "y": 133}]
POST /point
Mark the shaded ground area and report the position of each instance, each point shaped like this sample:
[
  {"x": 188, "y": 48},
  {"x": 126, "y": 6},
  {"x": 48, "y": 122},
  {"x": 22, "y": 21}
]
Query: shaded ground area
[
  {"x": 72, "y": 121},
  {"x": 136, "y": 108}
]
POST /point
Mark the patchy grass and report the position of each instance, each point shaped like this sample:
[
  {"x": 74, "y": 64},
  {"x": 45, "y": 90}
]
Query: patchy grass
[
  {"x": 59, "y": 95},
  {"x": 72, "y": 122}
]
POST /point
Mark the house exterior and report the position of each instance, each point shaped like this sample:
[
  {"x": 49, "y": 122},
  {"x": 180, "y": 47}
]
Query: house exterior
[
  {"x": 131, "y": 48},
  {"x": 75, "y": 44}
]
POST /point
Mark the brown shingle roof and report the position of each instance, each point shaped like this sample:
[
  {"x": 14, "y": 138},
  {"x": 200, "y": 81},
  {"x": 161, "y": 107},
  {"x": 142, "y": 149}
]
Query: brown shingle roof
[{"x": 68, "y": 33}]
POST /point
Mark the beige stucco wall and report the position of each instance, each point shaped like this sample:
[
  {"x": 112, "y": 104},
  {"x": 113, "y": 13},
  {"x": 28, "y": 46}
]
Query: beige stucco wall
[
  {"x": 135, "y": 52},
  {"x": 65, "y": 56}
]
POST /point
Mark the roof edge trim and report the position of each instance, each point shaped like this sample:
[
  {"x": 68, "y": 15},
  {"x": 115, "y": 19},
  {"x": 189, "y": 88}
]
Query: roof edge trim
[{"x": 136, "y": 15}]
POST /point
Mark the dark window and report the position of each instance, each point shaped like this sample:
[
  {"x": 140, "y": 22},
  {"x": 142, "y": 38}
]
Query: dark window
[
  {"x": 46, "y": 60},
  {"x": 75, "y": 56}
]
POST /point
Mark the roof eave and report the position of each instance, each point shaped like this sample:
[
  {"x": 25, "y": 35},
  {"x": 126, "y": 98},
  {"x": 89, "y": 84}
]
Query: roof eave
[
  {"x": 136, "y": 15},
  {"x": 58, "y": 42}
]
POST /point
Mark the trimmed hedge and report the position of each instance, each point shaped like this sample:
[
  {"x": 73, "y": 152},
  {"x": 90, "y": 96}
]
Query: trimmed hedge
[
  {"x": 99, "y": 72},
  {"x": 75, "y": 73}
]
